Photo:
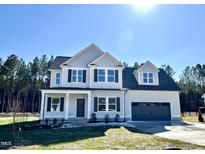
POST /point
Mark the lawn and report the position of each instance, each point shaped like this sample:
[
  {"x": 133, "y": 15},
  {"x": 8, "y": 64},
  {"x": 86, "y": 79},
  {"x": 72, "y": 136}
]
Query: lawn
[
  {"x": 101, "y": 137},
  {"x": 191, "y": 117}
]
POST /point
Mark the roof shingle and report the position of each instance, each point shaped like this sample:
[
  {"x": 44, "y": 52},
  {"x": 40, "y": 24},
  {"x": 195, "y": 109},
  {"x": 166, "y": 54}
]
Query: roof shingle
[
  {"x": 58, "y": 61},
  {"x": 165, "y": 81}
]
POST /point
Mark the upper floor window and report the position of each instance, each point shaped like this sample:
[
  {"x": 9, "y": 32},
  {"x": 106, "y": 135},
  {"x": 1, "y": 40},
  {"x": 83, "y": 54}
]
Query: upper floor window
[
  {"x": 111, "y": 76},
  {"x": 148, "y": 77},
  {"x": 101, "y": 75},
  {"x": 77, "y": 75},
  {"x": 58, "y": 76}
]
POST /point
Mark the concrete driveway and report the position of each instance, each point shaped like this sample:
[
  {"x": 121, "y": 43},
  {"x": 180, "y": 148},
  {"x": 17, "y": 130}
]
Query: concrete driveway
[{"x": 188, "y": 132}]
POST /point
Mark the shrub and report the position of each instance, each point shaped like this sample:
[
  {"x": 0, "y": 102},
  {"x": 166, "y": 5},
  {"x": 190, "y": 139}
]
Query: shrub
[
  {"x": 46, "y": 120},
  {"x": 62, "y": 121},
  {"x": 107, "y": 118},
  {"x": 200, "y": 118},
  {"x": 117, "y": 118},
  {"x": 54, "y": 121},
  {"x": 93, "y": 117}
]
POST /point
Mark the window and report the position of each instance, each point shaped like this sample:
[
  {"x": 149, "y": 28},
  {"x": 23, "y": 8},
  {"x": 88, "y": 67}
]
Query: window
[
  {"x": 148, "y": 77},
  {"x": 77, "y": 75},
  {"x": 58, "y": 75},
  {"x": 112, "y": 104},
  {"x": 101, "y": 75},
  {"x": 145, "y": 77},
  {"x": 102, "y": 104},
  {"x": 110, "y": 75},
  {"x": 55, "y": 104},
  {"x": 107, "y": 104}
]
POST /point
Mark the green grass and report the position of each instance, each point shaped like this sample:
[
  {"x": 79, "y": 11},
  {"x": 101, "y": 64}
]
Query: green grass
[{"x": 101, "y": 137}]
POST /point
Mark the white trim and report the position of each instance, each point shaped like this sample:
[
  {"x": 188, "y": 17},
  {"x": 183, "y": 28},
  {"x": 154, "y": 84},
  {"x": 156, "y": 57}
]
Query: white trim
[
  {"x": 56, "y": 78},
  {"x": 58, "y": 104},
  {"x": 106, "y": 74},
  {"x": 106, "y": 53},
  {"x": 81, "y": 52},
  {"x": 42, "y": 105},
  {"x": 148, "y": 83},
  {"x": 148, "y": 63},
  {"x": 107, "y": 104},
  {"x": 76, "y": 76}
]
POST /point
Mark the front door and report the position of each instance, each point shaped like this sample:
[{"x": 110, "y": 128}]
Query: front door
[{"x": 80, "y": 107}]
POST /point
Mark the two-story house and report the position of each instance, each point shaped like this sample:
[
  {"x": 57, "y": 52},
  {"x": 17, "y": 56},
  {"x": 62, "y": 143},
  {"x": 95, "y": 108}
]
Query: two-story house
[{"x": 93, "y": 81}]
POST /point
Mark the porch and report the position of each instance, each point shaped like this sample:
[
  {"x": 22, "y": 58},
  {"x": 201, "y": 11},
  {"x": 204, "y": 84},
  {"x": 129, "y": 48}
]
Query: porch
[{"x": 70, "y": 105}]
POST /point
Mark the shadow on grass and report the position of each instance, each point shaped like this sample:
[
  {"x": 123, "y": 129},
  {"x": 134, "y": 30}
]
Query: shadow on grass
[{"x": 47, "y": 137}]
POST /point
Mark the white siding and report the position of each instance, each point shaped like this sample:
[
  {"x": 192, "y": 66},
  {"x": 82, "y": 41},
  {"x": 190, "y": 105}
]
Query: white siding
[
  {"x": 72, "y": 106},
  {"x": 153, "y": 96},
  {"x": 106, "y": 61},
  {"x": 147, "y": 69},
  {"x": 53, "y": 114},
  {"x": 53, "y": 78},
  {"x": 85, "y": 58},
  {"x": 75, "y": 84},
  {"x": 109, "y": 85},
  {"x": 98, "y": 93}
]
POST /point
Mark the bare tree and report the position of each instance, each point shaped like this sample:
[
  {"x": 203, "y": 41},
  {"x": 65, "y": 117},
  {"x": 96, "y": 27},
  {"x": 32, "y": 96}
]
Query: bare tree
[{"x": 14, "y": 108}]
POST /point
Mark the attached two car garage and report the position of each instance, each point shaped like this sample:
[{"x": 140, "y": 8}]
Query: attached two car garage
[{"x": 150, "y": 111}]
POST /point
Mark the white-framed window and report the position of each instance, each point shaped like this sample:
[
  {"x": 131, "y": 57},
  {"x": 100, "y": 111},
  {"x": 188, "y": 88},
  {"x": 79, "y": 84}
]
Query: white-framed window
[
  {"x": 148, "y": 77},
  {"x": 112, "y": 103},
  {"x": 77, "y": 76},
  {"x": 55, "y": 104},
  {"x": 101, "y": 103},
  {"x": 111, "y": 75},
  {"x": 107, "y": 104},
  {"x": 101, "y": 75},
  {"x": 58, "y": 77}
]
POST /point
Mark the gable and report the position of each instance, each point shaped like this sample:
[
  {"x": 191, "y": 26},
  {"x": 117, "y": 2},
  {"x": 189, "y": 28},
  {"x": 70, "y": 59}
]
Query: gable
[
  {"x": 106, "y": 60},
  {"x": 148, "y": 66},
  {"x": 166, "y": 83},
  {"x": 85, "y": 56}
]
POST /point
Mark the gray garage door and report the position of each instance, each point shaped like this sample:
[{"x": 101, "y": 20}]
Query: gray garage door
[{"x": 150, "y": 111}]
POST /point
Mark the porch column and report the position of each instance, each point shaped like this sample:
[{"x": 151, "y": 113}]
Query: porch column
[
  {"x": 89, "y": 105},
  {"x": 66, "y": 105},
  {"x": 42, "y": 105}
]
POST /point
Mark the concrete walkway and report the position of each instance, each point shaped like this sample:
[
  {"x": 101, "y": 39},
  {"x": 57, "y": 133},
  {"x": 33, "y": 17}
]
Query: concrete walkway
[{"x": 188, "y": 132}]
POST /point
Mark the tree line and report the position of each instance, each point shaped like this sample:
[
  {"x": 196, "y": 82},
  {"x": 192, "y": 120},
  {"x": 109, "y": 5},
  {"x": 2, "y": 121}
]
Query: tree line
[{"x": 20, "y": 81}]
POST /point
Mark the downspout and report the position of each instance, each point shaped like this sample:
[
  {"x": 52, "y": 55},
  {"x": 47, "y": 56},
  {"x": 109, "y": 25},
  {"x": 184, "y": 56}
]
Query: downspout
[{"x": 125, "y": 91}]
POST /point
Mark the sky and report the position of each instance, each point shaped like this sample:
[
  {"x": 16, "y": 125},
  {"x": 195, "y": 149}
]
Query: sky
[{"x": 163, "y": 34}]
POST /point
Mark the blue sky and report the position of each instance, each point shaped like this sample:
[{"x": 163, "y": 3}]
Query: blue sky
[{"x": 165, "y": 34}]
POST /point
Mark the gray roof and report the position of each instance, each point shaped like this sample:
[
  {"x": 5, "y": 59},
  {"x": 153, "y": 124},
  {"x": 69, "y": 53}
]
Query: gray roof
[
  {"x": 58, "y": 61},
  {"x": 165, "y": 81},
  {"x": 129, "y": 81}
]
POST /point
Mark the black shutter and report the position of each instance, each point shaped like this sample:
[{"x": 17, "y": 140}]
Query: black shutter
[
  {"x": 116, "y": 75},
  {"x": 118, "y": 104},
  {"x": 95, "y": 75},
  {"x": 84, "y": 76},
  {"x": 69, "y": 75},
  {"x": 95, "y": 104},
  {"x": 62, "y": 104},
  {"x": 49, "y": 104}
]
